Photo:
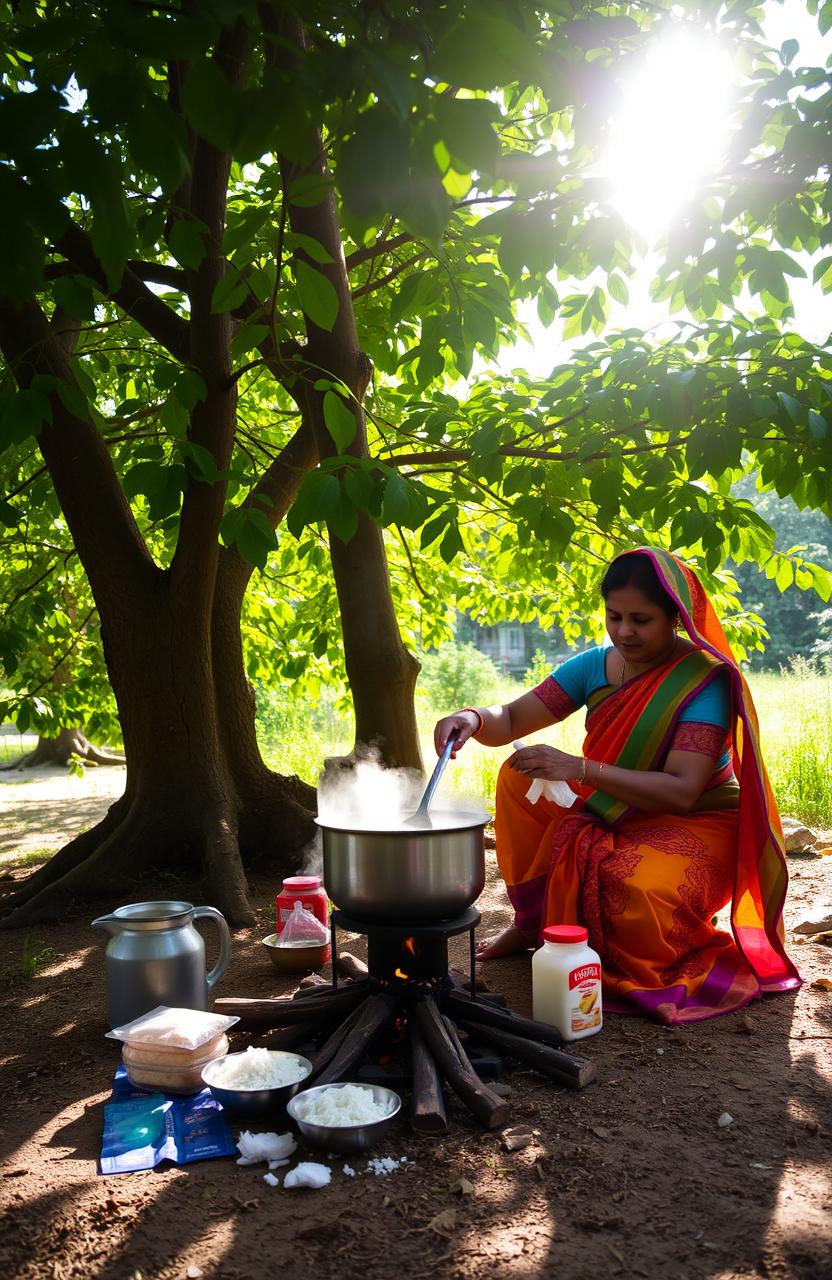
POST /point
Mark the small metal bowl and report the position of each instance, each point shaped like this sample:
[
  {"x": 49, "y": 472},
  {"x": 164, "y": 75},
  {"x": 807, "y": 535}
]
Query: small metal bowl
[
  {"x": 295, "y": 959},
  {"x": 344, "y": 1139},
  {"x": 252, "y": 1103}
]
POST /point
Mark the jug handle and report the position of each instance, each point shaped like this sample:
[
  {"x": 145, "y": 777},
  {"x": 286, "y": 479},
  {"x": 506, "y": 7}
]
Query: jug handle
[{"x": 220, "y": 967}]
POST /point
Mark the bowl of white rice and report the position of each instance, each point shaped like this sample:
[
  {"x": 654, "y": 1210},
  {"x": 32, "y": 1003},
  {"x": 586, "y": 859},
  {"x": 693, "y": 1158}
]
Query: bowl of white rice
[
  {"x": 344, "y": 1118},
  {"x": 257, "y": 1081}
]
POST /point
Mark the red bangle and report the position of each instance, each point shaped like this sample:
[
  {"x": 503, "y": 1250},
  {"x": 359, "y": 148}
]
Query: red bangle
[{"x": 480, "y": 720}]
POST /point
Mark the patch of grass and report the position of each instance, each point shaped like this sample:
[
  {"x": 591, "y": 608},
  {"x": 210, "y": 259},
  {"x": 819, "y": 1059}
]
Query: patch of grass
[
  {"x": 27, "y": 859},
  {"x": 795, "y": 712},
  {"x": 35, "y": 954}
]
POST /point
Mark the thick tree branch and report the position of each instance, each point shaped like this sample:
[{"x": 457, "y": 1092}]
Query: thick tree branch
[
  {"x": 213, "y": 417},
  {"x": 372, "y": 285},
  {"x": 103, "y": 529},
  {"x": 132, "y": 296},
  {"x": 375, "y": 250},
  {"x": 513, "y": 451}
]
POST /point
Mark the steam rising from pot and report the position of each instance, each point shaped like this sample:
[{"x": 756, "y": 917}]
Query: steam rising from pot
[{"x": 362, "y": 795}]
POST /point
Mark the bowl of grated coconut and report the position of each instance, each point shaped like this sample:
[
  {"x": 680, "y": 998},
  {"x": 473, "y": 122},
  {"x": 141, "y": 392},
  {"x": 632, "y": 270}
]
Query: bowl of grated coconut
[
  {"x": 344, "y": 1118},
  {"x": 256, "y": 1082}
]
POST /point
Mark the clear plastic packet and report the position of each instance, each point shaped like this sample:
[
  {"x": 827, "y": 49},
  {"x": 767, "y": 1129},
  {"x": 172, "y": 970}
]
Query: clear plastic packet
[
  {"x": 302, "y": 929},
  {"x": 173, "y": 1028}
]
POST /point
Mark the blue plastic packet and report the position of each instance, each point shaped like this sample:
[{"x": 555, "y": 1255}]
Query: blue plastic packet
[{"x": 141, "y": 1129}]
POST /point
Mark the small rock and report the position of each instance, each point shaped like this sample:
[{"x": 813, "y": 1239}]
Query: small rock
[
  {"x": 798, "y": 837},
  {"x": 193, "y": 1273},
  {"x": 517, "y": 1137},
  {"x": 745, "y": 1027},
  {"x": 725, "y": 1119}
]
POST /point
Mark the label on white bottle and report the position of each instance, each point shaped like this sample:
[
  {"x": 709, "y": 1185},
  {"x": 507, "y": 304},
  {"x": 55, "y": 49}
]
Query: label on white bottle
[{"x": 585, "y": 997}]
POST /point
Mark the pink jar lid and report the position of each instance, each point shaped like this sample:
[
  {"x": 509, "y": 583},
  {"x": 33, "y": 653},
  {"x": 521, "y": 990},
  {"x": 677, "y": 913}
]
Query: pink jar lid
[
  {"x": 302, "y": 883},
  {"x": 565, "y": 933}
]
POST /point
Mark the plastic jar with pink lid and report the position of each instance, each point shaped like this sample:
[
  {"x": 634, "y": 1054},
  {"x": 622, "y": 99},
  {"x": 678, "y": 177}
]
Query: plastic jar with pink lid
[
  {"x": 566, "y": 982},
  {"x": 310, "y": 892}
]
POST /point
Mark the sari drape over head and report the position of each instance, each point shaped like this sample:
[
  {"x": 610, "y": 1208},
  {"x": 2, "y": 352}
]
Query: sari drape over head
[{"x": 647, "y": 885}]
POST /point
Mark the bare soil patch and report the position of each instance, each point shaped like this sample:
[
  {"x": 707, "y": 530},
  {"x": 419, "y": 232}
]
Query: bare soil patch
[{"x": 632, "y": 1177}]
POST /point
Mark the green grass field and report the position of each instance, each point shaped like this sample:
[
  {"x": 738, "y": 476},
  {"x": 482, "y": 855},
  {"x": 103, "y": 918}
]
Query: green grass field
[{"x": 794, "y": 709}]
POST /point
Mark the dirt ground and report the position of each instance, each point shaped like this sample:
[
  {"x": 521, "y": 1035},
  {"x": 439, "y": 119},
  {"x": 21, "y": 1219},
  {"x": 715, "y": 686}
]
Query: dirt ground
[{"x": 631, "y": 1177}]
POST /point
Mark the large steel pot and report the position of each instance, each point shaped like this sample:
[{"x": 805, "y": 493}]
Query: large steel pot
[{"x": 410, "y": 874}]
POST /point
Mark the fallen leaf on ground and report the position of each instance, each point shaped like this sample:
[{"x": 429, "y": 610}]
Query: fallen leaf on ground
[
  {"x": 817, "y": 922},
  {"x": 462, "y": 1187},
  {"x": 444, "y": 1223},
  {"x": 743, "y": 1082},
  {"x": 823, "y": 984},
  {"x": 600, "y": 1132}
]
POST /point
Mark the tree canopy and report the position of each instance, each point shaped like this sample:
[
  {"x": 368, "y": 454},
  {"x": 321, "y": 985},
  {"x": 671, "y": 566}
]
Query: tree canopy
[{"x": 260, "y": 260}]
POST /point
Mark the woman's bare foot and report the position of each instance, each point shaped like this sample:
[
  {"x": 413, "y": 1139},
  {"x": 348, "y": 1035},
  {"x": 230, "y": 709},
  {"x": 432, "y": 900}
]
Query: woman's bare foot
[{"x": 506, "y": 943}]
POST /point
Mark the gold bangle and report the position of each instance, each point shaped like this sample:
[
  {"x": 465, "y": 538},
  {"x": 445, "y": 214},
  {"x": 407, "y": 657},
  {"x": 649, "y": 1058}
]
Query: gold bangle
[
  {"x": 480, "y": 721},
  {"x": 583, "y": 770}
]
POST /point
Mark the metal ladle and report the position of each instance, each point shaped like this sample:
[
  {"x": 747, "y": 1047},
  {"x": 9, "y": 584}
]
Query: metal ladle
[{"x": 421, "y": 818}]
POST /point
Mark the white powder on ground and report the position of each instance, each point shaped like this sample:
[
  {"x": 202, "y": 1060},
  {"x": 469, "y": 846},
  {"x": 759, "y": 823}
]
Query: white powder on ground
[
  {"x": 340, "y": 1107},
  {"x": 382, "y": 1165},
  {"x": 271, "y": 1179},
  {"x": 273, "y": 1147},
  {"x": 259, "y": 1069},
  {"x": 308, "y": 1174}
]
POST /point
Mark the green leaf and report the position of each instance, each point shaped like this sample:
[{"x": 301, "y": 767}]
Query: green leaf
[
  {"x": 211, "y": 104},
  {"x": 317, "y": 295},
  {"x": 617, "y": 288},
  {"x": 73, "y": 399},
  {"x": 451, "y": 544},
  {"x": 157, "y": 141},
  {"x": 403, "y": 503},
  {"x": 482, "y": 51},
  {"x": 255, "y": 538},
  {"x": 9, "y": 516},
  {"x": 340, "y": 421},
  {"x": 311, "y": 247},
  {"x": 74, "y": 295},
  {"x": 467, "y": 129},
  {"x": 187, "y": 243},
  {"x": 317, "y": 498},
  {"x": 791, "y": 405},
  {"x": 343, "y": 519},
  {"x": 788, "y": 49},
  {"x": 310, "y": 190},
  {"x": 190, "y": 388},
  {"x": 248, "y": 339},
  {"x": 229, "y": 293}
]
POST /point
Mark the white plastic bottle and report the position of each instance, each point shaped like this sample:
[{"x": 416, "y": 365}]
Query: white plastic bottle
[{"x": 566, "y": 982}]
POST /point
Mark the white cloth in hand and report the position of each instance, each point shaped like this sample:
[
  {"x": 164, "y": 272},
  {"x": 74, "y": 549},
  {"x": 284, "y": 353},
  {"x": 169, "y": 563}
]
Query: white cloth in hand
[{"x": 557, "y": 792}]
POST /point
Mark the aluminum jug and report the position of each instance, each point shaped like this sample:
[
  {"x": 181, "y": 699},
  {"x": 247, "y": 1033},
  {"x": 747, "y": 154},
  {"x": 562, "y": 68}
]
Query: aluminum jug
[{"x": 156, "y": 956}]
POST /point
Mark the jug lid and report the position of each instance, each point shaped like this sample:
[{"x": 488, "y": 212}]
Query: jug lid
[{"x": 150, "y": 915}]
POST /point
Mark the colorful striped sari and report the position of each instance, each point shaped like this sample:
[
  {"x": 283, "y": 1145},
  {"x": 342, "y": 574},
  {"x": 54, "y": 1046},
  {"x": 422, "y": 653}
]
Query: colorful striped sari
[{"x": 647, "y": 885}]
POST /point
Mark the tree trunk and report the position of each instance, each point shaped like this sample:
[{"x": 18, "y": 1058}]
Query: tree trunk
[
  {"x": 190, "y": 804},
  {"x": 69, "y": 743}
]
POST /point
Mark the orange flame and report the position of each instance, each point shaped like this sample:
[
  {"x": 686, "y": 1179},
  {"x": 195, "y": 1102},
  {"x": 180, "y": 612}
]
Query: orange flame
[
  {"x": 409, "y": 946},
  {"x": 399, "y": 973}
]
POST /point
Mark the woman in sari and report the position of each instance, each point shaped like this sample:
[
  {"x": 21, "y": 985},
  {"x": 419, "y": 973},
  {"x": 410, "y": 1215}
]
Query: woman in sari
[{"x": 670, "y": 815}]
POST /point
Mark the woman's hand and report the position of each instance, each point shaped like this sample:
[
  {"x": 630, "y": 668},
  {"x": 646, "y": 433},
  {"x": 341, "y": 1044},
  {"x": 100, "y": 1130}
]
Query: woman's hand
[
  {"x": 546, "y": 762},
  {"x": 464, "y": 722}
]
